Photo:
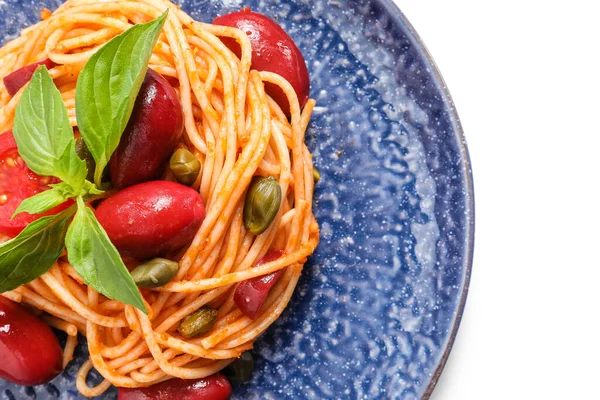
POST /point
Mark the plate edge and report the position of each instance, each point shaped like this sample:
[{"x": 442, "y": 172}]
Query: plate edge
[{"x": 393, "y": 9}]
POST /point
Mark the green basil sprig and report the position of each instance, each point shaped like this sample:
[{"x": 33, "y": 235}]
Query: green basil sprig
[
  {"x": 103, "y": 106},
  {"x": 43, "y": 133},
  {"x": 34, "y": 251},
  {"x": 105, "y": 94}
]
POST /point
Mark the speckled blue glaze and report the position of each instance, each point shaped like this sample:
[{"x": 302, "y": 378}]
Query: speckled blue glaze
[{"x": 377, "y": 308}]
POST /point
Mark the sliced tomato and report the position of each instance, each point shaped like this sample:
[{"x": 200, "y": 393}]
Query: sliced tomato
[
  {"x": 18, "y": 182},
  {"x": 17, "y": 79},
  {"x": 250, "y": 294}
]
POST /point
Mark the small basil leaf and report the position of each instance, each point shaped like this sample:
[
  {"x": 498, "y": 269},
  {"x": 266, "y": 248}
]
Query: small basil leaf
[
  {"x": 91, "y": 189},
  {"x": 46, "y": 200},
  {"x": 43, "y": 133},
  {"x": 33, "y": 251},
  {"x": 108, "y": 86},
  {"x": 97, "y": 260}
]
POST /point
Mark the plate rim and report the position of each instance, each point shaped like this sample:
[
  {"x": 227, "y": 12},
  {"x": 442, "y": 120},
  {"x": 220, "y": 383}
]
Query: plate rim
[{"x": 398, "y": 16}]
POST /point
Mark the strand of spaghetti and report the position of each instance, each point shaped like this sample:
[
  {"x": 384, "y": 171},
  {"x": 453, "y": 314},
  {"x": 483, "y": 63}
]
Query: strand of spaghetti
[
  {"x": 158, "y": 374},
  {"x": 98, "y": 361},
  {"x": 195, "y": 350},
  {"x": 169, "y": 354},
  {"x": 126, "y": 344},
  {"x": 109, "y": 306},
  {"x": 116, "y": 335},
  {"x": 13, "y": 295},
  {"x": 69, "y": 349},
  {"x": 223, "y": 333},
  {"x": 92, "y": 38},
  {"x": 39, "y": 287},
  {"x": 243, "y": 178},
  {"x": 169, "y": 369},
  {"x": 227, "y": 261},
  {"x": 81, "y": 309},
  {"x": 66, "y": 281},
  {"x": 84, "y": 389},
  {"x": 264, "y": 269},
  {"x": 70, "y": 271},
  {"x": 57, "y": 310},
  {"x": 217, "y": 214},
  {"x": 68, "y": 328},
  {"x": 298, "y": 133},
  {"x": 208, "y": 165},
  {"x": 137, "y": 364},
  {"x": 269, "y": 316},
  {"x": 188, "y": 309},
  {"x": 230, "y": 140},
  {"x": 202, "y": 31},
  {"x": 137, "y": 351}
]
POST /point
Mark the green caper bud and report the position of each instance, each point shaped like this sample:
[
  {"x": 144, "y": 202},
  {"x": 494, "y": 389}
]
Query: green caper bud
[
  {"x": 84, "y": 153},
  {"x": 316, "y": 175},
  {"x": 185, "y": 166},
  {"x": 262, "y": 204},
  {"x": 198, "y": 323},
  {"x": 154, "y": 273},
  {"x": 241, "y": 369}
]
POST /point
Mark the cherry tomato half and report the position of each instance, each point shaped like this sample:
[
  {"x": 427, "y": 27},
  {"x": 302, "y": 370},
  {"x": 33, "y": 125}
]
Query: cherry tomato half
[
  {"x": 251, "y": 293},
  {"x": 273, "y": 50},
  {"x": 29, "y": 351},
  {"x": 214, "y": 387},
  {"x": 18, "y": 182},
  {"x": 17, "y": 79}
]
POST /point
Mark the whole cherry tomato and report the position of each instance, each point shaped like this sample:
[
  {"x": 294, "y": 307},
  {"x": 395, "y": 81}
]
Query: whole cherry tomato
[
  {"x": 17, "y": 79},
  {"x": 251, "y": 293},
  {"x": 214, "y": 387},
  {"x": 151, "y": 218},
  {"x": 273, "y": 50},
  {"x": 155, "y": 126},
  {"x": 29, "y": 351},
  {"x": 18, "y": 182}
]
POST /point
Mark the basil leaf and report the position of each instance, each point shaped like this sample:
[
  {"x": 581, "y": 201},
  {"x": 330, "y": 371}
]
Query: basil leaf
[
  {"x": 46, "y": 200},
  {"x": 97, "y": 260},
  {"x": 108, "y": 86},
  {"x": 33, "y": 251},
  {"x": 43, "y": 133}
]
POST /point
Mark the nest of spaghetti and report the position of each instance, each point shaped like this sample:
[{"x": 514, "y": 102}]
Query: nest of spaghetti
[{"x": 245, "y": 142}]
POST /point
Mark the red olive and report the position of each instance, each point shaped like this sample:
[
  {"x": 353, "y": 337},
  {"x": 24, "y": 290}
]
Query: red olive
[
  {"x": 29, "y": 351},
  {"x": 151, "y": 218},
  {"x": 155, "y": 126},
  {"x": 214, "y": 387},
  {"x": 17, "y": 79},
  {"x": 273, "y": 50},
  {"x": 251, "y": 294}
]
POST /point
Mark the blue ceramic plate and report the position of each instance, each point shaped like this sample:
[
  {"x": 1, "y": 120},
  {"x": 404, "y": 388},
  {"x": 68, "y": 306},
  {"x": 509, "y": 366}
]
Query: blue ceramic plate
[{"x": 379, "y": 303}]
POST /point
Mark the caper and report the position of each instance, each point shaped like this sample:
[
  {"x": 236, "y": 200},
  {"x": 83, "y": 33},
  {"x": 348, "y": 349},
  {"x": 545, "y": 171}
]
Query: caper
[
  {"x": 241, "y": 369},
  {"x": 154, "y": 273},
  {"x": 84, "y": 153},
  {"x": 316, "y": 175},
  {"x": 198, "y": 323},
  {"x": 185, "y": 166},
  {"x": 262, "y": 204}
]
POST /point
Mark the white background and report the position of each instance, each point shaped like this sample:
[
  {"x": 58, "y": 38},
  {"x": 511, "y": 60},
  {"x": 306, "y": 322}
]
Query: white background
[{"x": 525, "y": 77}]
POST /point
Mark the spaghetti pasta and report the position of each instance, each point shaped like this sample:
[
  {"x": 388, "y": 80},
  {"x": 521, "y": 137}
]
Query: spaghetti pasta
[{"x": 237, "y": 132}]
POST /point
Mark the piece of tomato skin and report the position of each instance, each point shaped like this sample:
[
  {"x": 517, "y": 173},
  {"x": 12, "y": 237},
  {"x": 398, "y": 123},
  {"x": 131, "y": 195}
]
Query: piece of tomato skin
[{"x": 18, "y": 182}]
